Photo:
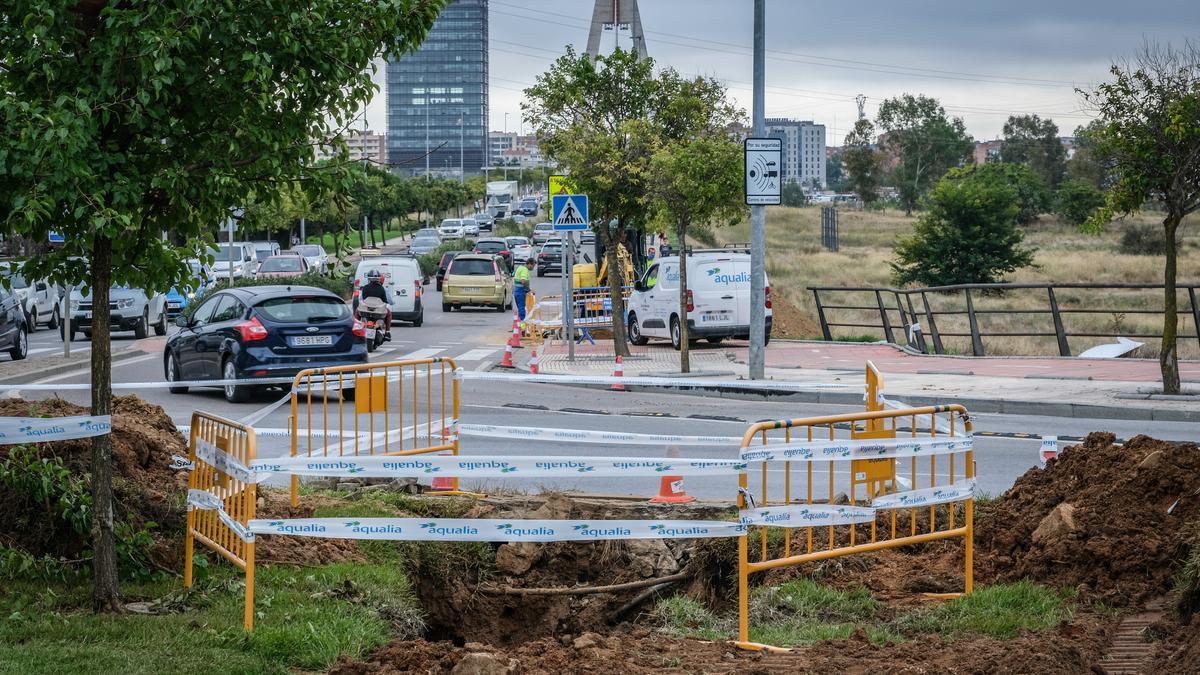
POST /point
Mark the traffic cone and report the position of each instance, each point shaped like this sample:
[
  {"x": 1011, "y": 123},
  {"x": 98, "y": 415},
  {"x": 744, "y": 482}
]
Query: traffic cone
[
  {"x": 507, "y": 362},
  {"x": 515, "y": 340},
  {"x": 443, "y": 483},
  {"x": 533, "y": 363},
  {"x": 670, "y": 488},
  {"x": 618, "y": 371}
]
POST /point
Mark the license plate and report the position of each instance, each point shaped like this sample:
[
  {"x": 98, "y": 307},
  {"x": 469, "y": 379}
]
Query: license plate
[
  {"x": 472, "y": 290},
  {"x": 370, "y": 333},
  {"x": 173, "y": 305},
  {"x": 312, "y": 340},
  {"x": 720, "y": 317}
]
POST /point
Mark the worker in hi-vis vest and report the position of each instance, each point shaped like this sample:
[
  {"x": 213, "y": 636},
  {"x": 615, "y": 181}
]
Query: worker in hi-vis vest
[{"x": 521, "y": 288}]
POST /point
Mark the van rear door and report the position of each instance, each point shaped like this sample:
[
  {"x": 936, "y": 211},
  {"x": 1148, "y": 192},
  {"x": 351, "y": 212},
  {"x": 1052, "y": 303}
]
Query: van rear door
[{"x": 720, "y": 292}]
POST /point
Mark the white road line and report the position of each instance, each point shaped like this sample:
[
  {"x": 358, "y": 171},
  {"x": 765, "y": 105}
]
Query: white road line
[
  {"x": 476, "y": 354},
  {"x": 422, "y": 353},
  {"x": 85, "y": 371}
]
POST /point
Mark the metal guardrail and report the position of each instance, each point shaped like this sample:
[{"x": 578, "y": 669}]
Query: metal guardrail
[{"x": 915, "y": 311}]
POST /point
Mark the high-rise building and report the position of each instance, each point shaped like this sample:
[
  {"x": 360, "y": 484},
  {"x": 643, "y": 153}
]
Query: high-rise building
[
  {"x": 803, "y": 150},
  {"x": 437, "y": 97}
]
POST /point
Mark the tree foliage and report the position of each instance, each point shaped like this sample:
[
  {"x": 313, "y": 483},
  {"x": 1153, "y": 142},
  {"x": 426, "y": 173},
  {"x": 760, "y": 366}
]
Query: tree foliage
[
  {"x": 968, "y": 235},
  {"x": 126, "y": 120},
  {"x": 861, "y": 161},
  {"x": 835, "y": 174},
  {"x": 1034, "y": 142},
  {"x": 1085, "y": 164},
  {"x": 924, "y": 142},
  {"x": 1076, "y": 201},
  {"x": 1149, "y": 130},
  {"x": 1033, "y": 198}
]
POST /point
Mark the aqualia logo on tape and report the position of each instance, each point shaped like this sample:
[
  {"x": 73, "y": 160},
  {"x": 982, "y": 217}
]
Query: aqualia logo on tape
[
  {"x": 540, "y": 531},
  {"x": 616, "y": 437},
  {"x": 282, "y": 527},
  {"x": 351, "y": 467},
  {"x": 710, "y": 465},
  {"x": 32, "y": 432},
  {"x": 769, "y": 517},
  {"x": 569, "y": 434},
  {"x": 93, "y": 425},
  {"x": 666, "y": 531},
  {"x": 434, "y": 528},
  {"x": 267, "y": 467},
  {"x": 358, "y": 528},
  {"x": 871, "y": 450},
  {"x": 486, "y": 464},
  {"x": 835, "y": 450},
  {"x": 581, "y": 467},
  {"x": 404, "y": 465},
  {"x": 754, "y": 455},
  {"x": 586, "y": 530},
  {"x": 802, "y": 453}
]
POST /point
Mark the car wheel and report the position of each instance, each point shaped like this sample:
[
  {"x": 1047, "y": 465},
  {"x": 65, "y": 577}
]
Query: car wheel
[
  {"x": 20, "y": 346},
  {"x": 55, "y": 319},
  {"x": 172, "y": 373},
  {"x": 635, "y": 332},
  {"x": 446, "y": 307},
  {"x": 715, "y": 340},
  {"x": 87, "y": 334},
  {"x": 31, "y": 321},
  {"x": 142, "y": 329},
  {"x": 541, "y": 272},
  {"x": 420, "y": 319},
  {"x": 160, "y": 328},
  {"x": 234, "y": 393},
  {"x": 676, "y": 339}
]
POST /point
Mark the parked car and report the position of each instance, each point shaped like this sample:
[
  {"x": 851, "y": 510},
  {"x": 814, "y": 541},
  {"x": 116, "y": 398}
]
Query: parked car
[
  {"x": 719, "y": 293},
  {"x": 451, "y": 228},
  {"x": 521, "y": 250},
  {"x": 470, "y": 227},
  {"x": 260, "y": 332},
  {"x": 282, "y": 267},
  {"x": 39, "y": 300},
  {"x": 263, "y": 249},
  {"x": 496, "y": 247},
  {"x": 477, "y": 279},
  {"x": 485, "y": 221},
  {"x": 130, "y": 309},
  {"x": 315, "y": 256},
  {"x": 443, "y": 264},
  {"x": 423, "y": 245},
  {"x": 549, "y": 258},
  {"x": 542, "y": 232},
  {"x": 13, "y": 332},
  {"x": 403, "y": 279},
  {"x": 179, "y": 298},
  {"x": 239, "y": 256}
]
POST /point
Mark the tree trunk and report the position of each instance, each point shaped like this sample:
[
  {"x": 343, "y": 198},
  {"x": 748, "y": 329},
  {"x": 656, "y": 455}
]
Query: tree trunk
[
  {"x": 685, "y": 365},
  {"x": 616, "y": 284},
  {"x": 106, "y": 593},
  {"x": 1168, "y": 357}
]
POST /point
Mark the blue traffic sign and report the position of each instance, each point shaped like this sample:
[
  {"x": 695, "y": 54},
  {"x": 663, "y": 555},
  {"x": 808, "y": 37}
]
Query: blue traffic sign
[
  {"x": 569, "y": 212},
  {"x": 56, "y": 238}
]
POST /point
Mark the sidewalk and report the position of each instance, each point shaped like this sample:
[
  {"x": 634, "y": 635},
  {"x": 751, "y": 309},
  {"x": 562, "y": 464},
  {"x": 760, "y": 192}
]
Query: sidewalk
[{"x": 1064, "y": 387}]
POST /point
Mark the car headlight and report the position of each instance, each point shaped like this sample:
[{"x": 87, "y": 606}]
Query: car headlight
[{"x": 124, "y": 303}]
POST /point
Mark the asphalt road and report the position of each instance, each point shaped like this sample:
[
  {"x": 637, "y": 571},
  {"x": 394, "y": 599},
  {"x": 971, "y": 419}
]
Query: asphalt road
[{"x": 475, "y": 339}]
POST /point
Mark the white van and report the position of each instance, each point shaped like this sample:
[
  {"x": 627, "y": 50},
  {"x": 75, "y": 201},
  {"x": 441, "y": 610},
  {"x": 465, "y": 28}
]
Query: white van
[
  {"x": 719, "y": 283},
  {"x": 402, "y": 277}
]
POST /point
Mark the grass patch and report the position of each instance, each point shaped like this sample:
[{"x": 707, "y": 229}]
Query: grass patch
[{"x": 999, "y": 611}]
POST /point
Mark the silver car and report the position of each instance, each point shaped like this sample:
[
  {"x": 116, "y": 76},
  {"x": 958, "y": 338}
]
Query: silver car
[
  {"x": 128, "y": 309},
  {"x": 39, "y": 300},
  {"x": 423, "y": 245},
  {"x": 520, "y": 247}
]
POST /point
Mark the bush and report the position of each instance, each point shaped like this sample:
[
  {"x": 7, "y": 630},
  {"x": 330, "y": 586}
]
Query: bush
[
  {"x": 1076, "y": 200},
  {"x": 969, "y": 234},
  {"x": 1144, "y": 240},
  {"x": 1033, "y": 197},
  {"x": 339, "y": 285}
]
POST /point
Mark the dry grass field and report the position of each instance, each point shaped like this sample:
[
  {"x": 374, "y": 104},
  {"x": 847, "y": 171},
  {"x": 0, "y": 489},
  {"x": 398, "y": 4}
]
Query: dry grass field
[{"x": 796, "y": 260}]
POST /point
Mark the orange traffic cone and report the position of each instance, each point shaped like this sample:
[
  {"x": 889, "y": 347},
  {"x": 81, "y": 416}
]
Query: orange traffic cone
[
  {"x": 670, "y": 488},
  {"x": 533, "y": 363},
  {"x": 618, "y": 371},
  {"x": 507, "y": 362},
  {"x": 515, "y": 340}
]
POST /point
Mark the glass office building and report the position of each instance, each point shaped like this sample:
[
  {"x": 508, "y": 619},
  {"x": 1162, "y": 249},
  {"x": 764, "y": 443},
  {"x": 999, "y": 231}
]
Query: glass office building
[{"x": 432, "y": 91}]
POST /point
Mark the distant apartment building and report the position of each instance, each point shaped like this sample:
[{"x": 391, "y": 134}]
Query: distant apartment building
[
  {"x": 437, "y": 96},
  {"x": 513, "y": 149},
  {"x": 803, "y": 150},
  {"x": 371, "y": 146},
  {"x": 987, "y": 151}
]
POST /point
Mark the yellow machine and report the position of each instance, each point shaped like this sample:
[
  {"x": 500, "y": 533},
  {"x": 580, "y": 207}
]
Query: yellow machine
[{"x": 586, "y": 275}]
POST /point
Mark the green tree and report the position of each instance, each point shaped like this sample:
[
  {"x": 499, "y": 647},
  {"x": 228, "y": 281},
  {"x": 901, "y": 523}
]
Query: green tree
[
  {"x": 835, "y": 175},
  {"x": 861, "y": 161},
  {"x": 1033, "y": 198},
  {"x": 1077, "y": 200},
  {"x": 1149, "y": 129},
  {"x": 1085, "y": 164},
  {"x": 125, "y": 120},
  {"x": 792, "y": 194},
  {"x": 924, "y": 142},
  {"x": 1034, "y": 142},
  {"x": 695, "y": 176},
  {"x": 968, "y": 235}
]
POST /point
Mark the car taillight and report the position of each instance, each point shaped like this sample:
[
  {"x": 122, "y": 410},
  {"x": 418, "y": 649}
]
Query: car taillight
[
  {"x": 357, "y": 282},
  {"x": 251, "y": 330},
  {"x": 768, "y": 295},
  {"x": 417, "y": 285},
  {"x": 356, "y": 292},
  {"x": 359, "y": 329},
  {"x": 504, "y": 253},
  {"x": 690, "y": 306}
]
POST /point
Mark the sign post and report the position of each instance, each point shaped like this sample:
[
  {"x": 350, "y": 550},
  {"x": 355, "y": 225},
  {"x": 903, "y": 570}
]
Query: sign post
[{"x": 568, "y": 213}]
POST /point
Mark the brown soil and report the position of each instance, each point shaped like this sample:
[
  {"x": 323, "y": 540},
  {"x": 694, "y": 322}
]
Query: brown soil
[
  {"x": 1124, "y": 535},
  {"x": 1179, "y": 652},
  {"x": 788, "y": 321},
  {"x": 275, "y": 503}
]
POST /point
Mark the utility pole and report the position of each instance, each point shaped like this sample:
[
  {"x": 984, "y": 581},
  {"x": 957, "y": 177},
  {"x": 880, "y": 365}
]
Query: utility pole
[
  {"x": 462, "y": 167},
  {"x": 303, "y": 238},
  {"x": 758, "y": 214},
  {"x": 363, "y": 149}
]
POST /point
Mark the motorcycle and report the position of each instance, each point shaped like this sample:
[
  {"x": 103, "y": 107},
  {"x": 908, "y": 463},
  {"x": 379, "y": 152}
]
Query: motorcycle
[{"x": 373, "y": 312}]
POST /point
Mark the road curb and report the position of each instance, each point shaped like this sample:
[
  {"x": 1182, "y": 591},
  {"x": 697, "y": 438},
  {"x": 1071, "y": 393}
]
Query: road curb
[{"x": 30, "y": 376}]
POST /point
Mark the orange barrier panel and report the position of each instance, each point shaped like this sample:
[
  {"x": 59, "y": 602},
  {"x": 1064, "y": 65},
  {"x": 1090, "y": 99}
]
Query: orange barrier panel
[{"x": 393, "y": 408}]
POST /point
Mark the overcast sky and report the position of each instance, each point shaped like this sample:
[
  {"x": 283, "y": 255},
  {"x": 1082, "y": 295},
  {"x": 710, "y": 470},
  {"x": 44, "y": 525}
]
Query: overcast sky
[{"x": 983, "y": 59}]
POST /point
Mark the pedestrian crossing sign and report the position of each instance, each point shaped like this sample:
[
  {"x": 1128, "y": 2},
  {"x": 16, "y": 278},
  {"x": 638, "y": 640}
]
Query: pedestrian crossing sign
[{"x": 569, "y": 212}]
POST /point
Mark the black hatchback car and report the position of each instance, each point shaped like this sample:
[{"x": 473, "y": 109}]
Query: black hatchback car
[
  {"x": 13, "y": 330},
  {"x": 443, "y": 264},
  {"x": 262, "y": 332},
  {"x": 496, "y": 247}
]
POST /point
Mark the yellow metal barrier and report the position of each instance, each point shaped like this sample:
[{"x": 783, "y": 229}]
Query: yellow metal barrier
[
  {"x": 211, "y": 475},
  {"x": 394, "y": 408},
  {"x": 868, "y": 478}
]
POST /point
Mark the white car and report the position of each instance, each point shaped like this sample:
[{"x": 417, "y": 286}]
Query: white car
[
  {"x": 451, "y": 228},
  {"x": 130, "y": 309},
  {"x": 39, "y": 300},
  {"x": 402, "y": 278},
  {"x": 263, "y": 249},
  {"x": 520, "y": 247},
  {"x": 238, "y": 256},
  {"x": 719, "y": 288},
  {"x": 315, "y": 256},
  {"x": 470, "y": 227}
]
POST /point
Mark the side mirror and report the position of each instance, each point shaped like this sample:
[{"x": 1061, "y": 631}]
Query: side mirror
[{"x": 182, "y": 321}]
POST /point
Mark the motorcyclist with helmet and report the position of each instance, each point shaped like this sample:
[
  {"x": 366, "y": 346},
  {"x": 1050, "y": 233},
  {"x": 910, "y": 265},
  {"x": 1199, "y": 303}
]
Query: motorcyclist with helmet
[{"x": 376, "y": 289}]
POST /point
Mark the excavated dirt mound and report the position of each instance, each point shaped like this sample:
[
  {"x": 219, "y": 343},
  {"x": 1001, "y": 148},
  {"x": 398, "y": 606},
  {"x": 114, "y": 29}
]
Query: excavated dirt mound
[
  {"x": 145, "y": 488},
  {"x": 1105, "y": 519}
]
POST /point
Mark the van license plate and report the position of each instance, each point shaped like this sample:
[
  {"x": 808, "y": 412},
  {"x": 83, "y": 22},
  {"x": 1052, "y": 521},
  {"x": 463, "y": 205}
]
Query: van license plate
[
  {"x": 312, "y": 340},
  {"x": 715, "y": 317}
]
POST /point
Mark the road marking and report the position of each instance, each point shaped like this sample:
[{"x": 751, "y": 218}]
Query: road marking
[
  {"x": 477, "y": 354},
  {"x": 422, "y": 353},
  {"x": 86, "y": 371}
]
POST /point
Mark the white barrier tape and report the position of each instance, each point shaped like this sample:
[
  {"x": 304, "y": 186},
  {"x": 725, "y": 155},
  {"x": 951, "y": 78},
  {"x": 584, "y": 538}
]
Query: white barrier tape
[
  {"x": 590, "y": 436},
  {"x": 475, "y": 529},
  {"x": 16, "y": 430},
  {"x": 224, "y": 462},
  {"x": 813, "y": 451},
  {"x": 207, "y": 501},
  {"x": 926, "y": 496},
  {"x": 376, "y": 466},
  {"x": 182, "y": 463},
  {"x": 682, "y": 382},
  {"x": 147, "y": 385},
  {"x": 283, "y": 432},
  {"x": 808, "y": 515}
]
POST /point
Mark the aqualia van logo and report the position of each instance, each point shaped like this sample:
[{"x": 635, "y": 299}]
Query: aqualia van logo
[
  {"x": 585, "y": 530},
  {"x": 435, "y": 529},
  {"x": 540, "y": 531},
  {"x": 728, "y": 279}
]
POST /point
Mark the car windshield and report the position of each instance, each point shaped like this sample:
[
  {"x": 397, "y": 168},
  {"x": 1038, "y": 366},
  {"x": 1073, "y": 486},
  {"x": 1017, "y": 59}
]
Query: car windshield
[
  {"x": 308, "y": 251},
  {"x": 16, "y": 281},
  {"x": 304, "y": 309},
  {"x": 222, "y": 253},
  {"x": 451, "y": 223},
  {"x": 288, "y": 263},
  {"x": 490, "y": 246},
  {"x": 448, "y": 256},
  {"x": 517, "y": 241},
  {"x": 426, "y": 232},
  {"x": 472, "y": 267},
  {"x": 422, "y": 242},
  {"x": 552, "y": 248},
  {"x": 544, "y": 227}
]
